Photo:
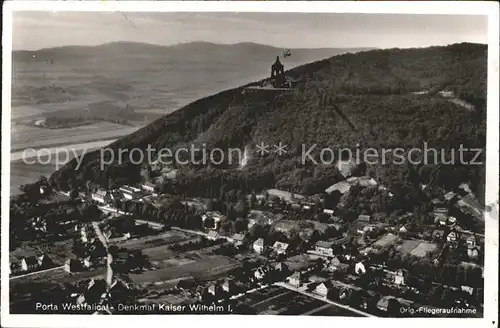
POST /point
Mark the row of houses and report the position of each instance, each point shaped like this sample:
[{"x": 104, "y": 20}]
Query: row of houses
[
  {"x": 128, "y": 192},
  {"x": 215, "y": 217},
  {"x": 258, "y": 246},
  {"x": 30, "y": 264}
]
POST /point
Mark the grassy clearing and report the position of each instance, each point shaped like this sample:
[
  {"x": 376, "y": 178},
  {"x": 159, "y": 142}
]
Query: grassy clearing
[
  {"x": 386, "y": 240},
  {"x": 205, "y": 268},
  {"x": 23, "y": 137},
  {"x": 407, "y": 246},
  {"x": 421, "y": 249}
]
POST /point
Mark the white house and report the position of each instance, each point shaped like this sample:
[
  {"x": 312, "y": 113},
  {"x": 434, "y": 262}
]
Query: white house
[
  {"x": 29, "y": 263},
  {"x": 149, "y": 187},
  {"x": 295, "y": 279},
  {"x": 130, "y": 192},
  {"x": 452, "y": 236},
  {"x": 258, "y": 246},
  {"x": 359, "y": 268},
  {"x": 87, "y": 262},
  {"x": 472, "y": 251},
  {"x": 323, "y": 289},
  {"x": 280, "y": 248},
  {"x": 260, "y": 273},
  {"x": 217, "y": 217},
  {"x": 213, "y": 235},
  {"x": 324, "y": 248},
  {"x": 467, "y": 289},
  {"x": 101, "y": 196},
  {"x": 471, "y": 240},
  {"x": 399, "y": 278},
  {"x": 40, "y": 122},
  {"x": 238, "y": 239}
]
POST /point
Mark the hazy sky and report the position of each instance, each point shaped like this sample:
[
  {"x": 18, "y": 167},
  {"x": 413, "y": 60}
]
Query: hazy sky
[{"x": 35, "y": 30}]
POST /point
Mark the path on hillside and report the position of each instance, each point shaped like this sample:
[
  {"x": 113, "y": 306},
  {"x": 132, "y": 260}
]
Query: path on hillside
[{"x": 451, "y": 97}]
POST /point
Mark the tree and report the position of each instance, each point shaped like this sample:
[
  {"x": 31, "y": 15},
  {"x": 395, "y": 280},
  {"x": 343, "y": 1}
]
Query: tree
[
  {"x": 74, "y": 193},
  {"x": 227, "y": 227},
  {"x": 259, "y": 231},
  {"x": 240, "y": 225},
  {"x": 240, "y": 195},
  {"x": 209, "y": 223},
  {"x": 127, "y": 224},
  {"x": 436, "y": 294},
  {"x": 210, "y": 205},
  {"x": 253, "y": 200},
  {"x": 42, "y": 181},
  {"x": 394, "y": 308},
  {"x": 240, "y": 209}
]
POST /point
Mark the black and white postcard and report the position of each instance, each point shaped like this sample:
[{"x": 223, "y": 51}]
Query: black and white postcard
[{"x": 299, "y": 163}]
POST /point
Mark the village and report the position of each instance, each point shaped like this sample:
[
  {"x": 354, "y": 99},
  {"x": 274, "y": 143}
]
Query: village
[{"x": 135, "y": 245}]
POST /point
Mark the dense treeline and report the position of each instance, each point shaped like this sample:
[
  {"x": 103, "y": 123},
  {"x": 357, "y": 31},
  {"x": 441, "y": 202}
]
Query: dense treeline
[{"x": 359, "y": 101}]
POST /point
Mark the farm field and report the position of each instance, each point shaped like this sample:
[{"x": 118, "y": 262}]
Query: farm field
[
  {"x": 22, "y": 173},
  {"x": 276, "y": 300},
  {"x": 151, "y": 242},
  {"x": 23, "y": 137},
  {"x": 58, "y": 252},
  {"x": 386, "y": 240},
  {"x": 206, "y": 267},
  {"x": 407, "y": 246},
  {"x": 36, "y": 166},
  {"x": 334, "y": 311},
  {"x": 421, "y": 249}
]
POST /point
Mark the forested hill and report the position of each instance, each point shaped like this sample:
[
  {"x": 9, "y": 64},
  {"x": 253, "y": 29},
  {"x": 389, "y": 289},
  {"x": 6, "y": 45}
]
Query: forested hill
[{"x": 380, "y": 98}]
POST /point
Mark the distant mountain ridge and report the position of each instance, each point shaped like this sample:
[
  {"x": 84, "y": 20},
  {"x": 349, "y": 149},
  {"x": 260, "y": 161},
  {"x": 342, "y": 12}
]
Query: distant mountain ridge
[
  {"x": 142, "y": 76},
  {"x": 125, "y": 47}
]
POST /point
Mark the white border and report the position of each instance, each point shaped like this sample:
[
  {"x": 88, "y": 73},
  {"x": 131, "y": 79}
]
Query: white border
[{"x": 490, "y": 9}]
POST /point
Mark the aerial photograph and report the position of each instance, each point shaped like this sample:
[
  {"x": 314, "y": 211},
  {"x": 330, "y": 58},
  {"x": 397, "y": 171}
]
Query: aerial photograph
[{"x": 312, "y": 164}]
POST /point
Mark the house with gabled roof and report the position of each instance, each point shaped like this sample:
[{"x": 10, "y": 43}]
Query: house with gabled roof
[
  {"x": 213, "y": 235},
  {"x": 280, "y": 247},
  {"x": 238, "y": 239},
  {"x": 452, "y": 236},
  {"x": 324, "y": 248},
  {"x": 438, "y": 234},
  {"x": 328, "y": 211},
  {"x": 467, "y": 289},
  {"x": 383, "y": 303},
  {"x": 473, "y": 251},
  {"x": 471, "y": 240},
  {"x": 148, "y": 187},
  {"x": 281, "y": 267},
  {"x": 295, "y": 279},
  {"x": 72, "y": 265},
  {"x": 258, "y": 246},
  {"x": 441, "y": 219},
  {"x": 229, "y": 286},
  {"x": 324, "y": 288},
  {"x": 215, "y": 216},
  {"x": 44, "y": 261},
  {"x": 29, "y": 263},
  {"x": 260, "y": 273},
  {"x": 364, "y": 218},
  {"x": 14, "y": 267},
  {"x": 359, "y": 268},
  {"x": 399, "y": 277},
  {"x": 101, "y": 196}
]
